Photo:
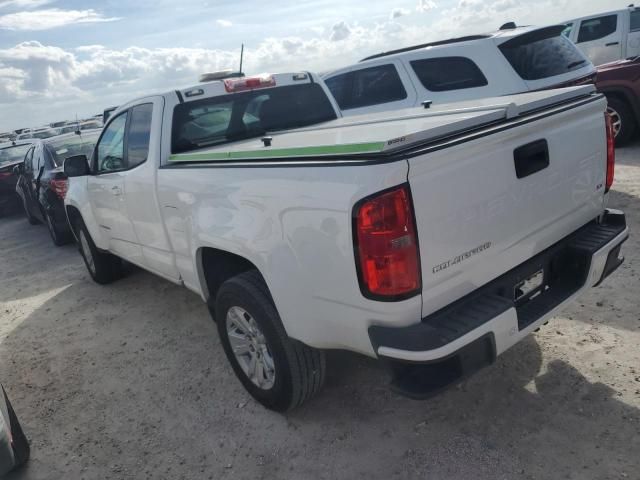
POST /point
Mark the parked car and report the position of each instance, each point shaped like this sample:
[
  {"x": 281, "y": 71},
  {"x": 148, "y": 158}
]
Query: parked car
[
  {"x": 606, "y": 37},
  {"x": 620, "y": 82},
  {"x": 14, "y": 446},
  {"x": 38, "y": 134},
  {"x": 433, "y": 239},
  {"x": 509, "y": 61},
  {"x": 11, "y": 154},
  {"x": 90, "y": 125},
  {"x": 42, "y": 184}
]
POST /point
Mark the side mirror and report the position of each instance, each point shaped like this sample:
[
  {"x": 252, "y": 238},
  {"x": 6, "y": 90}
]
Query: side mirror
[
  {"x": 76, "y": 166},
  {"x": 14, "y": 447},
  {"x": 18, "y": 169}
]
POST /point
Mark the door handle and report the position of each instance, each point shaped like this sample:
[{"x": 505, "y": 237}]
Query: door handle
[
  {"x": 531, "y": 158},
  {"x": 116, "y": 190},
  {"x": 611, "y": 44}
]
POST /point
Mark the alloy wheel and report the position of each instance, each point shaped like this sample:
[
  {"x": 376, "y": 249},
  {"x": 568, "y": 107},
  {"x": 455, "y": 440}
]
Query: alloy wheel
[
  {"x": 250, "y": 348},
  {"x": 616, "y": 121}
]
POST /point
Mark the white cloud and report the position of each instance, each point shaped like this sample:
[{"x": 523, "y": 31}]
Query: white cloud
[
  {"x": 224, "y": 23},
  {"x": 398, "y": 12},
  {"x": 426, "y": 5},
  {"x": 23, "y": 3},
  {"x": 50, "y": 18},
  {"x": 340, "y": 31}
]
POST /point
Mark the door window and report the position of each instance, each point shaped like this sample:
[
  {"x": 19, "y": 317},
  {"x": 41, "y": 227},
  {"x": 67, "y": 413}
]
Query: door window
[
  {"x": 110, "y": 149},
  {"x": 635, "y": 21},
  {"x": 139, "y": 134},
  {"x": 596, "y": 28},
  {"x": 448, "y": 73},
  {"x": 28, "y": 161},
  {"x": 368, "y": 86}
]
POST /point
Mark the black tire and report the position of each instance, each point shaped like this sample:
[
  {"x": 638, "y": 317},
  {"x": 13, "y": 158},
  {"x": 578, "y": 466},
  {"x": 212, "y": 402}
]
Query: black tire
[
  {"x": 59, "y": 237},
  {"x": 32, "y": 220},
  {"x": 299, "y": 370},
  {"x": 20, "y": 445},
  {"x": 105, "y": 267},
  {"x": 619, "y": 109}
]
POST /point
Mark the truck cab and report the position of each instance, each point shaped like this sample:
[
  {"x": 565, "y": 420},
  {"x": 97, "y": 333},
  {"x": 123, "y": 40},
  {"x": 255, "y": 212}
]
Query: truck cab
[{"x": 607, "y": 37}]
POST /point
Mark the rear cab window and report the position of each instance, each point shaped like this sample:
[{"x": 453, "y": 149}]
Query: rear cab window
[
  {"x": 229, "y": 118},
  {"x": 542, "y": 54},
  {"x": 367, "y": 86},
  {"x": 448, "y": 73}
]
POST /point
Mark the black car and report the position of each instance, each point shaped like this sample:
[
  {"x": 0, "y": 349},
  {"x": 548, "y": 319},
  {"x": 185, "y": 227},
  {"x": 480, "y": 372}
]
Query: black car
[
  {"x": 14, "y": 446},
  {"x": 42, "y": 184},
  {"x": 11, "y": 154}
]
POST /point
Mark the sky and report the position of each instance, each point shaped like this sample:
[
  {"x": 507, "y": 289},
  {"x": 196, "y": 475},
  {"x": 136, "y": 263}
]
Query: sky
[{"x": 62, "y": 59}]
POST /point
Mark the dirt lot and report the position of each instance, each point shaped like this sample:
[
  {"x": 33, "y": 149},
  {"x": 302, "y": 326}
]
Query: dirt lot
[{"x": 130, "y": 381}]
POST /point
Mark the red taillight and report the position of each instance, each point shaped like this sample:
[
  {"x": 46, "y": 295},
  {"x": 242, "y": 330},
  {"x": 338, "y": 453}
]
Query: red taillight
[
  {"x": 59, "y": 186},
  {"x": 387, "y": 246},
  {"x": 233, "y": 85},
  {"x": 611, "y": 151}
]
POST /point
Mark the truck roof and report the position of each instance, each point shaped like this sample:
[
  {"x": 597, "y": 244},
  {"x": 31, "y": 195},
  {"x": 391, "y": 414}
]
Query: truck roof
[
  {"x": 223, "y": 87},
  {"x": 380, "y": 132},
  {"x": 506, "y": 34}
]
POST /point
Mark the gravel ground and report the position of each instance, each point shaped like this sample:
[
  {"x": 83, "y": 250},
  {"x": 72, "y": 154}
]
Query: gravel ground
[{"x": 130, "y": 381}]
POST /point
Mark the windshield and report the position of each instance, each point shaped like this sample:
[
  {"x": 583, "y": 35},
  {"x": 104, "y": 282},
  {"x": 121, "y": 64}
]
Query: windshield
[
  {"x": 13, "y": 154},
  {"x": 62, "y": 148},
  {"x": 229, "y": 118},
  {"x": 542, "y": 54}
]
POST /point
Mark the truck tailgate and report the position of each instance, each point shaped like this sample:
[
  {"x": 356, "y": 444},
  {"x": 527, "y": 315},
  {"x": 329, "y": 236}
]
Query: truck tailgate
[{"x": 488, "y": 203}]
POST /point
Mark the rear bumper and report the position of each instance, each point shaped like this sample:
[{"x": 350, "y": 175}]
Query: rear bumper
[{"x": 471, "y": 332}]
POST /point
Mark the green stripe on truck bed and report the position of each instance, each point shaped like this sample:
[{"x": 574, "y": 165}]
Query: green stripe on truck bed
[{"x": 280, "y": 152}]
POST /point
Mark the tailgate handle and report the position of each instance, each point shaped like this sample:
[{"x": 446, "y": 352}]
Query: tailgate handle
[{"x": 531, "y": 158}]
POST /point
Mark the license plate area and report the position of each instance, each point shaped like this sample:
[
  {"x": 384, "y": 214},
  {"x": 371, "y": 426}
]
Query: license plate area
[{"x": 529, "y": 288}]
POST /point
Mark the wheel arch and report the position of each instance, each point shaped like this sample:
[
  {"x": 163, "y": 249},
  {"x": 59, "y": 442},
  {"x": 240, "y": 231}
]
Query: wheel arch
[
  {"x": 215, "y": 266},
  {"x": 626, "y": 95},
  {"x": 73, "y": 215}
]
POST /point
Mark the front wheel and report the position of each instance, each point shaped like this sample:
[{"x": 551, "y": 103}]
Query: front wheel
[
  {"x": 102, "y": 266},
  {"x": 279, "y": 372}
]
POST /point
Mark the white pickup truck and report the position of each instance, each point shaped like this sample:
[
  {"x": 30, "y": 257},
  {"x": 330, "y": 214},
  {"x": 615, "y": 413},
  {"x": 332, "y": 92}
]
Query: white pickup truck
[
  {"x": 607, "y": 37},
  {"x": 433, "y": 239}
]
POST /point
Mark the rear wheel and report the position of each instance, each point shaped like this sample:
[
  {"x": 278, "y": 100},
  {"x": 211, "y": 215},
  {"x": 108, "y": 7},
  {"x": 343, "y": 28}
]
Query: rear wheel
[
  {"x": 102, "y": 266},
  {"x": 20, "y": 444},
  {"x": 624, "y": 124},
  {"x": 279, "y": 372},
  {"x": 58, "y": 236}
]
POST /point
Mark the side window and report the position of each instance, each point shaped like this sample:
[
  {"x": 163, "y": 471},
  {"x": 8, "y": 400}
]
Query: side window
[
  {"x": 110, "y": 149},
  {"x": 139, "y": 134},
  {"x": 28, "y": 159},
  {"x": 635, "y": 21},
  {"x": 448, "y": 73},
  {"x": 595, "y": 28},
  {"x": 369, "y": 86}
]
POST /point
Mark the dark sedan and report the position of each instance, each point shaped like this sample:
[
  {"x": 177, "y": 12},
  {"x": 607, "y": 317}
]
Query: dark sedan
[
  {"x": 42, "y": 184},
  {"x": 620, "y": 82},
  {"x": 11, "y": 154}
]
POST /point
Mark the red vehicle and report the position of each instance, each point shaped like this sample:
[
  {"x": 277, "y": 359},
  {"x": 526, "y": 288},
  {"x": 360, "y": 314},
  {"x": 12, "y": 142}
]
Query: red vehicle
[{"x": 620, "y": 82}]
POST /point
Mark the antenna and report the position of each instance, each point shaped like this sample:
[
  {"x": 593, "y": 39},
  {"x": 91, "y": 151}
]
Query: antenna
[{"x": 241, "y": 55}]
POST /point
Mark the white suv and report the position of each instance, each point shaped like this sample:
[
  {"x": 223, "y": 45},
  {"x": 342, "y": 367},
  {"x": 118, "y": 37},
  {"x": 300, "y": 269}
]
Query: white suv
[{"x": 512, "y": 60}]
